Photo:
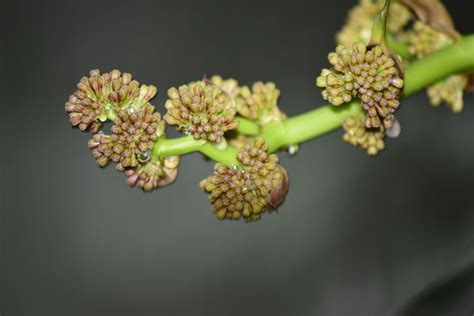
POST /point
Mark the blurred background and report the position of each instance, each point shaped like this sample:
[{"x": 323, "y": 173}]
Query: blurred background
[{"x": 392, "y": 235}]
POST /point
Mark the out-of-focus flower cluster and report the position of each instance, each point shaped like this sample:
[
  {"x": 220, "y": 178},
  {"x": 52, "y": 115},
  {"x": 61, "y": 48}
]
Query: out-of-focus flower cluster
[
  {"x": 136, "y": 126},
  {"x": 246, "y": 191},
  {"x": 371, "y": 75},
  {"x": 370, "y": 139},
  {"x": 423, "y": 40}
]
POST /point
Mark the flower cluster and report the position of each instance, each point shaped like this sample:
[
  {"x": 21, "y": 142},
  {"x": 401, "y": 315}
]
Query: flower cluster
[
  {"x": 370, "y": 75},
  {"x": 450, "y": 91},
  {"x": 260, "y": 103},
  {"x": 229, "y": 86},
  {"x": 154, "y": 174},
  {"x": 202, "y": 110},
  {"x": 370, "y": 139},
  {"x": 257, "y": 185},
  {"x": 100, "y": 94},
  {"x": 135, "y": 129},
  {"x": 133, "y": 136},
  {"x": 423, "y": 40},
  {"x": 358, "y": 26}
]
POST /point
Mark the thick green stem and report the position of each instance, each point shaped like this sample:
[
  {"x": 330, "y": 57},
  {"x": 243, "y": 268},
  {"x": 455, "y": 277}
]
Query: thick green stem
[
  {"x": 456, "y": 58},
  {"x": 247, "y": 127},
  {"x": 309, "y": 125},
  {"x": 176, "y": 146}
]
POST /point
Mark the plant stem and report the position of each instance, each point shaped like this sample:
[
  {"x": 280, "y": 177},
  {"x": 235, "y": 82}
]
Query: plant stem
[
  {"x": 456, "y": 58},
  {"x": 247, "y": 127},
  {"x": 308, "y": 125}
]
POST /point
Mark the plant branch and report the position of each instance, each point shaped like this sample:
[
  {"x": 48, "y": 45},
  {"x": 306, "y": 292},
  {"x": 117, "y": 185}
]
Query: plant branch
[{"x": 456, "y": 58}]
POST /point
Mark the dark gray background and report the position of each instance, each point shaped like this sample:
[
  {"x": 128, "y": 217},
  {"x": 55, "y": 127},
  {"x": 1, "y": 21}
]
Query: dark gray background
[{"x": 356, "y": 235}]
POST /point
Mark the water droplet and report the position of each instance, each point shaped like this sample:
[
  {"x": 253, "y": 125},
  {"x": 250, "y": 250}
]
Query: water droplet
[
  {"x": 394, "y": 131},
  {"x": 293, "y": 150},
  {"x": 186, "y": 132},
  {"x": 144, "y": 156},
  {"x": 131, "y": 110},
  {"x": 235, "y": 167}
]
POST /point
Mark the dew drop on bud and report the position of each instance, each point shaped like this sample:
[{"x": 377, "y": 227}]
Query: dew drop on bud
[
  {"x": 132, "y": 110},
  {"x": 394, "y": 131},
  {"x": 144, "y": 156}
]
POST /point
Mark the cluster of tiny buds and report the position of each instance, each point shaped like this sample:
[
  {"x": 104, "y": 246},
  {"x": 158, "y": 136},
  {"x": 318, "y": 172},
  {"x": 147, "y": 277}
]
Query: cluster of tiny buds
[
  {"x": 133, "y": 136},
  {"x": 259, "y": 184},
  {"x": 201, "y": 109},
  {"x": 229, "y": 86},
  {"x": 100, "y": 94},
  {"x": 370, "y": 139},
  {"x": 136, "y": 127},
  {"x": 154, "y": 174},
  {"x": 260, "y": 102},
  {"x": 423, "y": 40},
  {"x": 370, "y": 75}
]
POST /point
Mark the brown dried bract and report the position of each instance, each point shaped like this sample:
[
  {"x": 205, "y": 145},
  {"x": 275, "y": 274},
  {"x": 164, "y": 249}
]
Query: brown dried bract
[{"x": 433, "y": 13}]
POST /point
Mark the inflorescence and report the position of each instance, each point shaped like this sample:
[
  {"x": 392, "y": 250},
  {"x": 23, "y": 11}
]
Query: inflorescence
[
  {"x": 259, "y": 184},
  {"x": 432, "y": 29},
  {"x": 362, "y": 67},
  {"x": 135, "y": 130},
  {"x": 202, "y": 110},
  {"x": 369, "y": 74}
]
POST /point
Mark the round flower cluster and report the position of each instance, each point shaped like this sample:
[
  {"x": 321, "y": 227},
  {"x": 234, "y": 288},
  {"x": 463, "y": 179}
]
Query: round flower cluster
[
  {"x": 260, "y": 103},
  {"x": 133, "y": 136},
  {"x": 258, "y": 185},
  {"x": 370, "y": 75},
  {"x": 154, "y": 174},
  {"x": 100, "y": 94},
  {"x": 370, "y": 139},
  {"x": 202, "y": 110},
  {"x": 359, "y": 22}
]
